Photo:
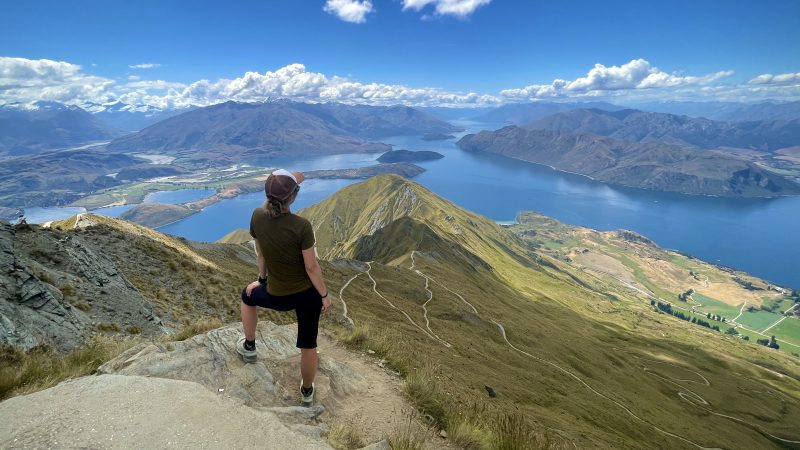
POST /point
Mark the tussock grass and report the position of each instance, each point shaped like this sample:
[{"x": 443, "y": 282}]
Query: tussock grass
[
  {"x": 41, "y": 367},
  {"x": 467, "y": 429},
  {"x": 346, "y": 435},
  {"x": 423, "y": 390},
  {"x": 513, "y": 432},
  {"x": 409, "y": 435},
  {"x": 196, "y": 327}
]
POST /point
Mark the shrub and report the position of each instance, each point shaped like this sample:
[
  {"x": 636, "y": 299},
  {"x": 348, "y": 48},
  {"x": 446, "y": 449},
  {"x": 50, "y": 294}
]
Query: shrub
[
  {"x": 83, "y": 306},
  {"x": 133, "y": 329}
]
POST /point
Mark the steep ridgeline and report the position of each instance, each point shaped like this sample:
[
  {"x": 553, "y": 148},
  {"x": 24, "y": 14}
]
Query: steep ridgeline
[
  {"x": 48, "y": 125},
  {"x": 650, "y": 165},
  {"x": 591, "y": 361},
  {"x": 639, "y": 126},
  {"x": 231, "y": 131}
]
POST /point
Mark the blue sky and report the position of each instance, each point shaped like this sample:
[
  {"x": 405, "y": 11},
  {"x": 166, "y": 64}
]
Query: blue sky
[{"x": 491, "y": 46}]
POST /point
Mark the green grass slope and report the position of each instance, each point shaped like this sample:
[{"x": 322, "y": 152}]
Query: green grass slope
[{"x": 456, "y": 300}]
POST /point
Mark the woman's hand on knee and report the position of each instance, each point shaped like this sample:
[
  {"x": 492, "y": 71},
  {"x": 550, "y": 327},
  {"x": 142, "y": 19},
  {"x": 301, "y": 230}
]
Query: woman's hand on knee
[{"x": 252, "y": 286}]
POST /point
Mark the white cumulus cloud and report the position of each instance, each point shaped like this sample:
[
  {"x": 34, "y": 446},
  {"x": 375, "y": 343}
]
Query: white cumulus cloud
[
  {"x": 145, "y": 66},
  {"x": 634, "y": 75},
  {"x": 354, "y": 11},
  {"x": 783, "y": 79},
  {"x": 26, "y": 80},
  {"x": 458, "y": 8}
]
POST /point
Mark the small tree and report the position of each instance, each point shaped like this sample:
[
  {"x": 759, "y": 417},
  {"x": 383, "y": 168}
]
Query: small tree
[
  {"x": 773, "y": 343},
  {"x": 708, "y": 316}
]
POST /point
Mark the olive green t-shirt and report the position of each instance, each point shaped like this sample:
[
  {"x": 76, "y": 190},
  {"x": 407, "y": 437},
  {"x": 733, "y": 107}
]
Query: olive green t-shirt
[{"x": 281, "y": 240}]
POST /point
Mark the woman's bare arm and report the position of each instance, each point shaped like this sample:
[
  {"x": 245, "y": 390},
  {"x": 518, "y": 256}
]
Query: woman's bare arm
[
  {"x": 262, "y": 263},
  {"x": 314, "y": 272}
]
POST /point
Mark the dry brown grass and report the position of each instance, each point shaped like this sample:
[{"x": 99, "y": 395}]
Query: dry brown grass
[
  {"x": 346, "y": 435},
  {"x": 196, "y": 327},
  {"x": 41, "y": 367}
]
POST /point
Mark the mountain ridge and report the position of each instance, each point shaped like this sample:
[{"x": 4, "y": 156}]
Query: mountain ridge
[{"x": 649, "y": 165}]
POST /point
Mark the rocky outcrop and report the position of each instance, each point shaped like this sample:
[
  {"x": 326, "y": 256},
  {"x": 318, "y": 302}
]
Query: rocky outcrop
[
  {"x": 113, "y": 411},
  {"x": 198, "y": 393},
  {"x": 211, "y": 360},
  {"x": 55, "y": 289}
]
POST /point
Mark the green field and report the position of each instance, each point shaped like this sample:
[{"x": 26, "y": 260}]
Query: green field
[
  {"x": 758, "y": 320},
  {"x": 710, "y": 305},
  {"x": 788, "y": 330}
]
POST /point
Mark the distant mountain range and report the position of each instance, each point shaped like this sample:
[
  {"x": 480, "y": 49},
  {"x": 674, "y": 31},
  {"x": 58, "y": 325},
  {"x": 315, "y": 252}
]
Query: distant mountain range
[
  {"x": 233, "y": 131},
  {"x": 651, "y": 165},
  {"x": 123, "y": 116},
  {"x": 730, "y": 111},
  {"x": 639, "y": 126},
  {"x": 524, "y": 113},
  {"x": 48, "y": 125}
]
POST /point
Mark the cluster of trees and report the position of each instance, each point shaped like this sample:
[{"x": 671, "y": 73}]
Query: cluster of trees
[
  {"x": 685, "y": 296},
  {"x": 667, "y": 308},
  {"x": 771, "y": 342},
  {"x": 716, "y": 317}
]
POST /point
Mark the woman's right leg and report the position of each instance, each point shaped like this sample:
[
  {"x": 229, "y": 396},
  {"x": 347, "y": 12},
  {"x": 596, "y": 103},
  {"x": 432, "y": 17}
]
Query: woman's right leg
[
  {"x": 308, "y": 366},
  {"x": 249, "y": 321}
]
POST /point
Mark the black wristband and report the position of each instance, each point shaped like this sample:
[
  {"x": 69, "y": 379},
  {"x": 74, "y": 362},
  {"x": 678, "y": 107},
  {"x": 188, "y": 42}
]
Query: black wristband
[
  {"x": 262, "y": 280},
  {"x": 323, "y": 296}
]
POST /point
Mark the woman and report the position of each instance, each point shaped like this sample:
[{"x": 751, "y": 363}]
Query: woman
[{"x": 285, "y": 250}]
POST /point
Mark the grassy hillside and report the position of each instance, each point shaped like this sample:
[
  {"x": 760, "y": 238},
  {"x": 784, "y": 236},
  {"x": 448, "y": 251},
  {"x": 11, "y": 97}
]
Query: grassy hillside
[{"x": 586, "y": 359}]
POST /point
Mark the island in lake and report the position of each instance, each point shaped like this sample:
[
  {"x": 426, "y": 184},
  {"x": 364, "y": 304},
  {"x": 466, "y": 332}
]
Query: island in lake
[
  {"x": 400, "y": 168},
  {"x": 437, "y": 137},
  {"x": 396, "y": 156}
]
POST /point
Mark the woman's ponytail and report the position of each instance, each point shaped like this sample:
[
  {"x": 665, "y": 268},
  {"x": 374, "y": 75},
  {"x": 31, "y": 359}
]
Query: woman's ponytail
[{"x": 274, "y": 207}]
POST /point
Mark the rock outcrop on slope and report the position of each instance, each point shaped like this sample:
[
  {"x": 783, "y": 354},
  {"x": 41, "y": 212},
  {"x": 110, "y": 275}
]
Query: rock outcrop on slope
[
  {"x": 198, "y": 393},
  {"x": 55, "y": 290}
]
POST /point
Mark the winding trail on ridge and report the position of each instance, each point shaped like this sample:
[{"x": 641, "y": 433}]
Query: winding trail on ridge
[
  {"x": 344, "y": 304},
  {"x": 427, "y": 277},
  {"x": 375, "y": 289}
]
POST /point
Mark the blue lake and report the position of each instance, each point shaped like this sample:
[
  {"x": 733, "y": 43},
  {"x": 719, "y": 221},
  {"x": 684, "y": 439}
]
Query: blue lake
[{"x": 759, "y": 236}]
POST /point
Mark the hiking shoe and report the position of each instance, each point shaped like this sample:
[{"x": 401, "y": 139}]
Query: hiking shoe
[
  {"x": 306, "y": 400},
  {"x": 249, "y": 356}
]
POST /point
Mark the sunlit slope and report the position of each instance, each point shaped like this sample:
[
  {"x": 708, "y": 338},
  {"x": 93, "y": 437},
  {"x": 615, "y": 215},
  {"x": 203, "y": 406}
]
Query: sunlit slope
[
  {"x": 585, "y": 358},
  {"x": 387, "y": 216}
]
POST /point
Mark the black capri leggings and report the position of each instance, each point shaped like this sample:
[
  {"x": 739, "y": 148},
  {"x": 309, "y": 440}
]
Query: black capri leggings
[{"x": 307, "y": 305}]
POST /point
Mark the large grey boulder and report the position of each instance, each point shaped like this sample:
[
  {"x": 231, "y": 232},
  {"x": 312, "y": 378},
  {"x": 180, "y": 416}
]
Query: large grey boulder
[
  {"x": 113, "y": 411},
  {"x": 211, "y": 360}
]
